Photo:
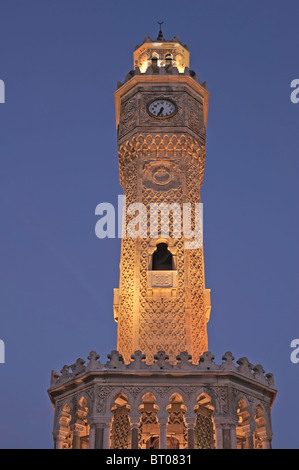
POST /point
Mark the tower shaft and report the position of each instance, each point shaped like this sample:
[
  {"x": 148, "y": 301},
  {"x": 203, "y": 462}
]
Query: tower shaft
[{"x": 161, "y": 113}]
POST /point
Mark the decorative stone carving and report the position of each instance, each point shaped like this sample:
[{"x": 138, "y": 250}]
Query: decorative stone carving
[
  {"x": 161, "y": 175},
  {"x": 161, "y": 361},
  {"x": 101, "y": 395},
  {"x": 161, "y": 279},
  {"x": 138, "y": 361},
  {"x": 203, "y": 431},
  {"x": 258, "y": 373},
  {"x": 127, "y": 116},
  {"x": 78, "y": 367},
  {"x": 121, "y": 429},
  {"x": 228, "y": 363},
  {"x": 184, "y": 361},
  {"x": 166, "y": 147},
  {"x": 65, "y": 374},
  {"x": 195, "y": 115},
  {"x": 270, "y": 379},
  {"x": 244, "y": 366},
  {"x": 54, "y": 378},
  {"x": 115, "y": 361},
  {"x": 222, "y": 396},
  {"x": 206, "y": 362},
  {"x": 94, "y": 363}
]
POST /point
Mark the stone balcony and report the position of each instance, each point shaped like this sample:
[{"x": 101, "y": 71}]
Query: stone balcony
[{"x": 228, "y": 402}]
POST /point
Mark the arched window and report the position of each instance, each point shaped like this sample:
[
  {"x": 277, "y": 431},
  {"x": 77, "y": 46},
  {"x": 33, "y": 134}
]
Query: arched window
[
  {"x": 162, "y": 258},
  {"x": 155, "y": 58},
  {"x": 168, "y": 60}
]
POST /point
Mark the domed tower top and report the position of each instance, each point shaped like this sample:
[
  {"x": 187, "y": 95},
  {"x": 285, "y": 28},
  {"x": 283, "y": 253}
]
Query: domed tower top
[{"x": 161, "y": 53}]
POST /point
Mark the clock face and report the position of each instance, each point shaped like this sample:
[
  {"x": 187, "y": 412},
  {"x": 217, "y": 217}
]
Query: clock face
[{"x": 162, "y": 108}]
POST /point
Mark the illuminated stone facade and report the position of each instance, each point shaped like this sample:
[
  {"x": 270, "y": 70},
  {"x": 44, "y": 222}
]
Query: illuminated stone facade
[
  {"x": 161, "y": 160},
  {"x": 161, "y": 388}
]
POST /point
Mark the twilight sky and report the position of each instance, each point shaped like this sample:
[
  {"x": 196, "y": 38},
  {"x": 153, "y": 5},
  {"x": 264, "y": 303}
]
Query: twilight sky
[{"x": 60, "y": 61}]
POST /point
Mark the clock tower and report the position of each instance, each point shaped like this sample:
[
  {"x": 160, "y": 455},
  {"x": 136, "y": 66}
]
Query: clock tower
[
  {"x": 161, "y": 118},
  {"x": 161, "y": 388}
]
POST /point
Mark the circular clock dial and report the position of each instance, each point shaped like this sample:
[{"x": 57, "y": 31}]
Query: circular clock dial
[{"x": 162, "y": 108}]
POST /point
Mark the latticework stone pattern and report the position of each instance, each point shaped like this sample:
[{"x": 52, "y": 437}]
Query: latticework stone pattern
[{"x": 175, "y": 322}]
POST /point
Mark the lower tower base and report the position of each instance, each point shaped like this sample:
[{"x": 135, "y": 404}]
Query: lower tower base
[{"x": 162, "y": 406}]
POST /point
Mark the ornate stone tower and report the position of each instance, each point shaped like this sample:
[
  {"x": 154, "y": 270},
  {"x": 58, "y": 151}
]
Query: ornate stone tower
[
  {"x": 161, "y": 116},
  {"x": 161, "y": 388}
]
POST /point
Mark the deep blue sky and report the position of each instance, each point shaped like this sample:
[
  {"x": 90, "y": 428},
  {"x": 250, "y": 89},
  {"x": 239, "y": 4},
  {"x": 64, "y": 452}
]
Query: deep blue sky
[{"x": 60, "y": 61}]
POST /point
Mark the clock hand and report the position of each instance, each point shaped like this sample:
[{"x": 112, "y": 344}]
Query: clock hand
[{"x": 160, "y": 112}]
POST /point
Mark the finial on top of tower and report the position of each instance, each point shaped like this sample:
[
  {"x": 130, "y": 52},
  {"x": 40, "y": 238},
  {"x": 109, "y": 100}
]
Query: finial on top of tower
[{"x": 160, "y": 35}]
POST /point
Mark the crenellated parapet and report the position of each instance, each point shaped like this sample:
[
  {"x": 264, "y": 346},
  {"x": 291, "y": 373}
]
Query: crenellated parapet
[
  {"x": 204, "y": 367},
  {"x": 135, "y": 405}
]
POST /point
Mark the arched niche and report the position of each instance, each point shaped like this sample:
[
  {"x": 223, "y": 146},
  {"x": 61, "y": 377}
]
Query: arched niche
[
  {"x": 177, "y": 437},
  {"x": 120, "y": 436},
  {"x": 204, "y": 429},
  {"x": 149, "y": 425}
]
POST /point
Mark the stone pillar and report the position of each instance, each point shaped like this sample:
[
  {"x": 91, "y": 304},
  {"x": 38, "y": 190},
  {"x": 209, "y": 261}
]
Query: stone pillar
[
  {"x": 92, "y": 436},
  {"x": 97, "y": 432},
  {"x": 135, "y": 434},
  {"x": 98, "y": 442},
  {"x": 266, "y": 440},
  {"x": 225, "y": 430},
  {"x": 218, "y": 433},
  {"x": 77, "y": 430},
  {"x": 106, "y": 436},
  {"x": 59, "y": 437},
  {"x": 163, "y": 433},
  {"x": 190, "y": 422},
  {"x": 248, "y": 430},
  {"x": 233, "y": 435}
]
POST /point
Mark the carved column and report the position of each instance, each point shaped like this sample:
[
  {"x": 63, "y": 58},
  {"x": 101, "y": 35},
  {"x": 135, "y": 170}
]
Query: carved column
[
  {"x": 59, "y": 437},
  {"x": 190, "y": 422},
  {"x": 99, "y": 436},
  {"x": 218, "y": 433},
  {"x": 266, "y": 439},
  {"x": 225, "y": 431},
  {"x": 163, "y": 433},
  {"x": 135, "y": 433},
  {"x": 229, "y": 434},
  {"x": 92, "y": 436},
  {"x": 106, "y": 435},
  {"x": 248, "y": 430},
  {"x": 77, "y": 430},
  {"x": 97, "y": 433}
]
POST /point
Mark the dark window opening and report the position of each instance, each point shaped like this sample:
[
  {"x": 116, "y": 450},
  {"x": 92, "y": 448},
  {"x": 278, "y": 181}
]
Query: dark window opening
[
  {"x": 168, "y": 60},
  {"x": 162, "y": 258}
]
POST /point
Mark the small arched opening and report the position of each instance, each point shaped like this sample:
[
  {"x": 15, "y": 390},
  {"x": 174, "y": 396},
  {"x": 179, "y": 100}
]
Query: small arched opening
[
  {"x": 162, "y": 258},
  {"x": 155, "y": 61},
  {"x": 204, "y": 433},
  {"x": 120, "y": 437},
  {"x": 168, "y": 62},
  {"x": 149, "y": 425},
  {"x": 260, "y": 434},
  {"x": 243, "y": 431},
  {"x": 177, "y": 435}
]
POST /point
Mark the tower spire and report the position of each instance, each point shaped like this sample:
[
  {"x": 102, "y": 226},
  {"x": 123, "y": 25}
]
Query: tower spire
[{"x": 160, "y": 35}]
